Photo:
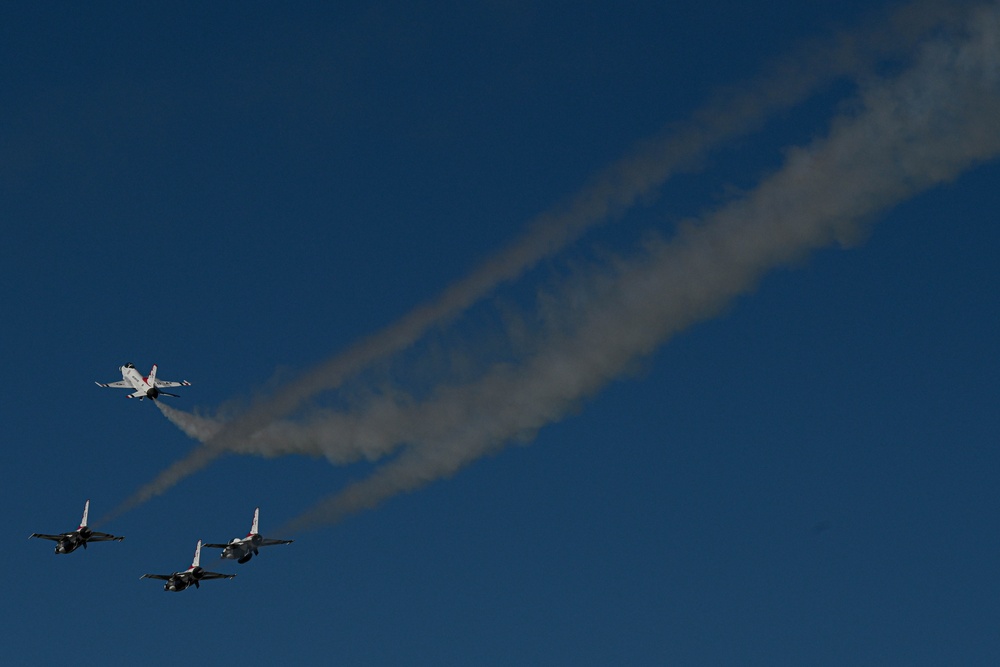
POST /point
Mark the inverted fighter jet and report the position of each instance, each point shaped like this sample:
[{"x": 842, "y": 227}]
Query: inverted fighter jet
[{"x": 143, "y": 387}]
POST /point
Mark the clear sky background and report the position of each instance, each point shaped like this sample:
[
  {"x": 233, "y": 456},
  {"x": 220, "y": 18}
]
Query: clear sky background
[{"x": 239, "y": 192}]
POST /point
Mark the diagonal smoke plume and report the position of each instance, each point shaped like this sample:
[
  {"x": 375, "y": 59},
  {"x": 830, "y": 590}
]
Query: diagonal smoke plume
[
  {"x": 614, "y": 190},
  {"x": 921, "y": 129},
  {"x": 897, "y": 146}
]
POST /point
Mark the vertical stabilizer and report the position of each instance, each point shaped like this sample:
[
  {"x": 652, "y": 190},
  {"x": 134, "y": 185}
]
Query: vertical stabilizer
[
  {"x": 254, "y": 528},
  {"x": 197, "y": 552},
  {"x": 86, "y": 510},
  {"x": 151, "y": 380}
]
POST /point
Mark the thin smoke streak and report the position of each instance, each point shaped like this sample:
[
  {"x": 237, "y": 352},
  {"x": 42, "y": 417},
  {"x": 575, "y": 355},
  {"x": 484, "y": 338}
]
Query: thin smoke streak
[
  {"x": 199, "y": 428},
  {"x": 611, "y": 193}
]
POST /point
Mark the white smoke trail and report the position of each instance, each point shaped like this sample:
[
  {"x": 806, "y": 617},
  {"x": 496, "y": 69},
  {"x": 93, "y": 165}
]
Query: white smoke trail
[
  {"x": 199, "y": 428},
  {"x": 202, "y": 429},
  {"x": 923, "y": 128},
  {"x": 612, "y": 192},
  {"x": 616, "y": 189}
]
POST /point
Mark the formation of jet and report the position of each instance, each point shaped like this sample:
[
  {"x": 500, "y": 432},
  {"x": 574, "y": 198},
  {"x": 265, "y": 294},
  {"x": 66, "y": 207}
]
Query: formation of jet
[
  {"x": 143, "y": 387},
  {"x": 195, "y": 574},
  {"x": 240, "y": 549},
  {"x": 243, "y": 549},
  {"x": 71, "y": 541}
]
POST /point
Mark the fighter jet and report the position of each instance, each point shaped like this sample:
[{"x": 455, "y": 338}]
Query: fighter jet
[
  {"x": 246, "y": 548},
  {"x": 69, "y": 542},
  {"x": 195, "y": 574},
  {"x": 144, "y": 387}
]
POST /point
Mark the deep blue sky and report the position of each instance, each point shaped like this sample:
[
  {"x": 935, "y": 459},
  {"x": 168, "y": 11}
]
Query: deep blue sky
[{"x": 238, "y": 192}]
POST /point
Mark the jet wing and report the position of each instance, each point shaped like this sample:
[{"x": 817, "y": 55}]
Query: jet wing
[
  {"x": 47, "y": 537},
  {"x": 104, "y": 537},
  {"x": 166, "y": 383},
  {"x": 267, "y": 542},
  {"x": 216, "y": 546},
  {"x": 120, "y": 384},
  {"x": 164, "y": 577},
  {"x": 215, "y": 575}
]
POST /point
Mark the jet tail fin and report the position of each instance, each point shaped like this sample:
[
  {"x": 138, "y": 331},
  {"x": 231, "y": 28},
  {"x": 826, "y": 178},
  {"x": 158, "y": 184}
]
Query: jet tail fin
[
  {"x": 151, "y": 380},
  {"x": 197, "y": 556},
  {"x": 86, "y": 510},
  {"x": 254, "y": 529}
]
